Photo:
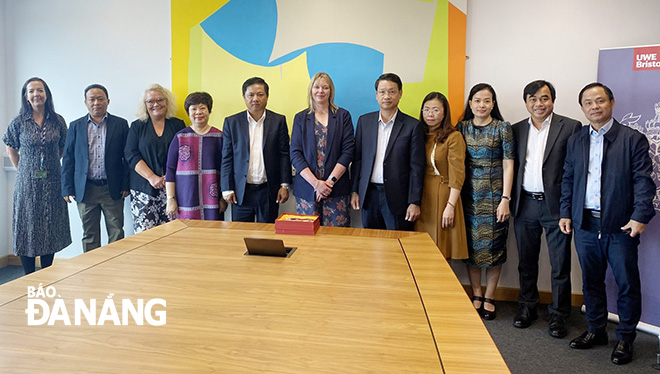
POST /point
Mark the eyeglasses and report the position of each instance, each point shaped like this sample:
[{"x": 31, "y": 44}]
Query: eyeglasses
[
  {"x": 389, "y": 92},
  {"x": 154, "y": 101},
  {"x": 435, "y": 111}
]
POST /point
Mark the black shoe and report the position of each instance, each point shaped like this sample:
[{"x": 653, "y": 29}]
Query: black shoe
[
  {"x": 557, "y": 326},
  {"x": 487, "y": 314},
  {"x": 622, "y": 353},
  {"x": 480, "y": 309},
  {"x": 523, "y": 319},
  {"x": 588, "y": 340}
]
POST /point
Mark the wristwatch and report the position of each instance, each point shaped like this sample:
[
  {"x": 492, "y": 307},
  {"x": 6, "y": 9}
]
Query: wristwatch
[
  {"x": 506, "y": 197},
  {"x": 332, "y": 178}
]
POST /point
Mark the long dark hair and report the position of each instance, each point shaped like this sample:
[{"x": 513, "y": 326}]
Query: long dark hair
[
  {"x": 26, "y": 107},
  {"x": 446, "y": 127},
  {"x": 495, "y": 113}
]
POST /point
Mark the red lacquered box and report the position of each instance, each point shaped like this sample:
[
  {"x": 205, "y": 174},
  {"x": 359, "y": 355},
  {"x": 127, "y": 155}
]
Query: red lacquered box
[{"x": 297, "y": 224}]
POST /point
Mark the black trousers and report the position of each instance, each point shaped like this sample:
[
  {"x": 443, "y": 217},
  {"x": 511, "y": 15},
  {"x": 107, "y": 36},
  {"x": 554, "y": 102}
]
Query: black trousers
[
  {"x": 595, "y": 251},
  {"x": 534, "y": 217},
  {"x": 257, "y": 205},
  {"x": 376, "y": 212}
]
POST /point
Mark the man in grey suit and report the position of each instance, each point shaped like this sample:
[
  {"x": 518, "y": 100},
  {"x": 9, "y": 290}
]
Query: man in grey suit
[
  {"x": 94, "y": 171},
  {"x": 541, "y": 149},
  {"x": 256, "y": 166}
]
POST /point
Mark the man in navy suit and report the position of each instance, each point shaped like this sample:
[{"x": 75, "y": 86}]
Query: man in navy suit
[
  {"x": 607, "y": 197},
  {"x": 256, "y": 167},
  {"x": 539, "y": 166},
  {"x": 94, "y": 171},
  {"x": 388, "y": 168}
]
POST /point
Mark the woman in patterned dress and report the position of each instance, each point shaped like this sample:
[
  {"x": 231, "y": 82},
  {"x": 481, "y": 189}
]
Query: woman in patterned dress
[
  {"x": 193, "y": 165},
  {"x": 442, "y": 213},
  {"x": 486, "y": 191},
  {"x": 35, "y": 142},
  {"x": 322, "y": 145},
  {"x": 148, "y": 140}
]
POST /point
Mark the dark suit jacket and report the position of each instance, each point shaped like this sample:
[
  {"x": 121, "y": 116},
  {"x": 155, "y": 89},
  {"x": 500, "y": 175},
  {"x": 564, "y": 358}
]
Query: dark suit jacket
[
  {"x": 561, "y": 128},
  {"x": 403, "y": 167},
  {"x": 236, "y": 153},
  {"x": 340, "y": 145},
  {"x": 627, "y": 189},
  {"x": 75, "y": 160}
]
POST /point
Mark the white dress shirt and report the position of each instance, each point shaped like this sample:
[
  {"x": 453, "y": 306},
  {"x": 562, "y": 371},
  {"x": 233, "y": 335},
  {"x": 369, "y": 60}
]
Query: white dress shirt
[
  {"x": 384, "y": 132},
  {"x": 256, "y": 168},
  {"x": 592, "y": 195},
  {"x": 536, "y": 141}
]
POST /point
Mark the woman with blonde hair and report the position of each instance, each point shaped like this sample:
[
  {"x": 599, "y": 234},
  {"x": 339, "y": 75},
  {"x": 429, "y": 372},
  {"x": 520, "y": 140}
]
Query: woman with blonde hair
[
  {"x": 147, "y": 145},
  {"x": 322, "y": 145}
]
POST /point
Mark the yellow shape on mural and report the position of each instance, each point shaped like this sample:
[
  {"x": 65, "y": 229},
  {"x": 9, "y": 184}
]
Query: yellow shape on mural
[{"x": 214, "y": 70}]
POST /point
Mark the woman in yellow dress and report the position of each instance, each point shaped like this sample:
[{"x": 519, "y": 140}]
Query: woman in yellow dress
[{"x": 442, "y": 211}]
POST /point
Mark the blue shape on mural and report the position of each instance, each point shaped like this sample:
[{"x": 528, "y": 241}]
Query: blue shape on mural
[{"x": 353, "y": 68}]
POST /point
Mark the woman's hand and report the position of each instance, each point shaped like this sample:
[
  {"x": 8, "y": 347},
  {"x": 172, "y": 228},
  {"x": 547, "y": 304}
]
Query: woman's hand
[
  {"x": 448, "y": 216},
  {"x": 503, "y": 211},
  {"x": 172, "y": 208},
  {"x": 156, "y": 181},
  {"x": 323, "y": 189}
]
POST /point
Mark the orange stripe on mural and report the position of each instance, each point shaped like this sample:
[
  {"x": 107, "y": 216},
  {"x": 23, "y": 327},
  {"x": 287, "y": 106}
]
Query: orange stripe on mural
[{"x": 457, "y": 32}]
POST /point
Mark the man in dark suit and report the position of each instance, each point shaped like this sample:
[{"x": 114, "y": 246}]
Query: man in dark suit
[
  {"x": 539, "y": 166},
  {"x": 256, "y": 167},
  {"x": 94, "y": 171},
  {"x": 388, "y": 168},
  {"x": 607, "y": 197}
]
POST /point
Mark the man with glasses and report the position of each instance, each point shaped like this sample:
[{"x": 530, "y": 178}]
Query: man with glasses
[{"x": 388, "y": 168}]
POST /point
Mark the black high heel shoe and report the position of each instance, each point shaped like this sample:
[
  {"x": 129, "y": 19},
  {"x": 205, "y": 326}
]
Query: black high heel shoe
[
  {"x": 480, "y": 309},
  {"x": 487, "y": 314}
]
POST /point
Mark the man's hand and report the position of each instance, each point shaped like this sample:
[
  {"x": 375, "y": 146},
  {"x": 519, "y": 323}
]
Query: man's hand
[
  {"x": 355, "y": 201},
  {"x": 231, "y": 198},
  {"x": 69, "y": 199},
  {"x": 634, "y": 228},
  {"x": 413, "y": 212},
  {"x": 222, "y": 205},
  {"x": 282, "y": 195},
  {"x": 124, "y": 194},
  {"x": 565, "y": 225}
]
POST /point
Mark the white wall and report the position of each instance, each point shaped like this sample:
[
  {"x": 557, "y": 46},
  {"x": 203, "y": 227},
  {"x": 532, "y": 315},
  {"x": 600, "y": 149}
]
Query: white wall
[
  {"x": 512, "y": 42},
  {"x": 5, "y": 197},
  {"x": 125, "y": 45}
]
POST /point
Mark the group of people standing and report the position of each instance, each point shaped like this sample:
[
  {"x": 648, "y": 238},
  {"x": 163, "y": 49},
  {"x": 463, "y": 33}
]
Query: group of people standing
[{"x": 459, "y": 183}]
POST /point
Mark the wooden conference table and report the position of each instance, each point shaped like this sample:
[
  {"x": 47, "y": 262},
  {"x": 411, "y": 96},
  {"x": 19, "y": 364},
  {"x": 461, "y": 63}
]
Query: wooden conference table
[{"x": 346, "y": 301}]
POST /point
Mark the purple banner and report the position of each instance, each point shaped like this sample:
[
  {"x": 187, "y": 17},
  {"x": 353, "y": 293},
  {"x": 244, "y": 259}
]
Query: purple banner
[{"x": 633, "y": 74}]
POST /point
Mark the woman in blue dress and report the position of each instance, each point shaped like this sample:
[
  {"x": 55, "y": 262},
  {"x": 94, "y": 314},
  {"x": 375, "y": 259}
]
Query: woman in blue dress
[
  {"x": 35, "y": 141},
  {"x": 486, "y": 192}
]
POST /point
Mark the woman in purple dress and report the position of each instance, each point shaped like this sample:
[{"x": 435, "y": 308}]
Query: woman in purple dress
[{"x": 192, "y": 181}]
